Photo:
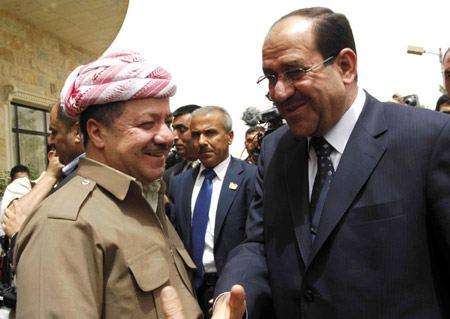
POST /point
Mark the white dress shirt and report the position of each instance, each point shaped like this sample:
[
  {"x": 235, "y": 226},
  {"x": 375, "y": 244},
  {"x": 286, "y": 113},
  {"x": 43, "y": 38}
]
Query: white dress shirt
[
  {"x": 220, "y": 170},
  {"x": 338, "y": 137}
]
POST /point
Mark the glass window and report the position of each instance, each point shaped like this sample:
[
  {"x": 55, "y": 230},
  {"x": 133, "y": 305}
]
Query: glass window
[
  {"x": 30, "y": 132},
  {"x": 30, "y": 119}
]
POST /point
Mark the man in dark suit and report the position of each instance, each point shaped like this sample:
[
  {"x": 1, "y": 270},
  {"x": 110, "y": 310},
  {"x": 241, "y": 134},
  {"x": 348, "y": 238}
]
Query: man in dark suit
[
  {"x": 182, "y": 141},
  {"x": 65, "y": 139},
  {"x": 226, "y": 213},
  {"x": 362, "y": 231}
]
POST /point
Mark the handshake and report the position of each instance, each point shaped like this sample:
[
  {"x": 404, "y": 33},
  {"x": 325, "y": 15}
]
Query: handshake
[{"x": 229, "y": 306}]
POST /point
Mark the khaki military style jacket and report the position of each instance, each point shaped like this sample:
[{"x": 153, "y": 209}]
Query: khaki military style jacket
[{"x": 96, "y": 249}]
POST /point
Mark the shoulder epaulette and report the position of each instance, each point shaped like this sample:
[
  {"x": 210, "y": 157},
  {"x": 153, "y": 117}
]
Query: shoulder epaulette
[{"x": 71, "y": 197}]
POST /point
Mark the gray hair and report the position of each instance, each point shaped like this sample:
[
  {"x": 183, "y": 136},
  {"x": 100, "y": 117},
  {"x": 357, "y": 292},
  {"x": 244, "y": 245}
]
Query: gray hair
[{"x": 227, "y": 122}]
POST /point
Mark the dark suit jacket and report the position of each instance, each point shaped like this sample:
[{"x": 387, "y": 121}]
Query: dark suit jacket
[
  {"x": 383, "y": 245},
  {"x": 171, "y": 172},
  {"x": 232, "y": 209}
]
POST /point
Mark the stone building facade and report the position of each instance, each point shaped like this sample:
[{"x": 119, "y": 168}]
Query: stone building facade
[{"x": 33, "y": 67}]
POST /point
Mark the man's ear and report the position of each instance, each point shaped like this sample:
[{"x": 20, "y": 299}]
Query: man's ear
[
  {"x": 76, "y": 133},
  {"x": 347, "y": 63},
  {"x": 95, "y": 131},
  {"x": 230, "y": 137}
]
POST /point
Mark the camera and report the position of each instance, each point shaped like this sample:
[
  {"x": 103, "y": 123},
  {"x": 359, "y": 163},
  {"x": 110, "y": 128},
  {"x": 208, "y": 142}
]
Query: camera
[
  {"x": 411, "y": 100},
  {"x": 273, "y": 119},
  {"x": 270, "y": 118}
]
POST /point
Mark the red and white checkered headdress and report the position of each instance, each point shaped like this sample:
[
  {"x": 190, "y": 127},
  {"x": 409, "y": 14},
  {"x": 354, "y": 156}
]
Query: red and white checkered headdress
[{"x": 116, "y": 76}]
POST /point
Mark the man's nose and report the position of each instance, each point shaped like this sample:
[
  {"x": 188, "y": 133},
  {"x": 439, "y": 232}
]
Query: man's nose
[
  {"x": 51, "y": 140},
  {"x": 202, "y": 140},
  {"x": 175, "y": 135},
  {"x": 282, "y": 91},
  {"x": 164, "y": 136}
]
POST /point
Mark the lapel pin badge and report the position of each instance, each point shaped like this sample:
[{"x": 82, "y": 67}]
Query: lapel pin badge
[{"x": 233, "y": 186}]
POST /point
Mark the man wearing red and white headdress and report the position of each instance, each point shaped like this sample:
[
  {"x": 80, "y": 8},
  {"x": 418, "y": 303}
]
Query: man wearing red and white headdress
[{"x": 102, "y": 247}]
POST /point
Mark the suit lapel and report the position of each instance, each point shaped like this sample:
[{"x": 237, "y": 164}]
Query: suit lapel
[
  {"x": 360, "y": 158},
  {"x": 179, "y": 167},
  {"x": 191, "y": 176},
  {"x": 296, "y": 159},
  {"x": 227, "y": 194}
]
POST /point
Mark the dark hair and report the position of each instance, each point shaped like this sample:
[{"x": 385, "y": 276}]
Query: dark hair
[
  {"x": 332, "y": 31},
  {"x": 61, "y": 116},
  {"x": 443, "y": 99},
  {"x": 102, "y": 113},
  {"x": 253, "y": 129},
  {"x": 185, "y": 110},
  {"x": 18, "y": 169}
]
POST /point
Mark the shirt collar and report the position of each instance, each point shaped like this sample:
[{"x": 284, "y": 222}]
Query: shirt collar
[
  {"x": 69, "y": 168},
  {"x": 339, "y": 134},
  {"x": 220, "y": 169},
  {"x": 114, "y": 181}
]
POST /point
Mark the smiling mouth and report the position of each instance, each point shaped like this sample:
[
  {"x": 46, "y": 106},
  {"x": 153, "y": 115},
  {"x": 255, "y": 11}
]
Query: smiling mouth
[
  {"x": 292, "y": 107},
  {"x": 156, "y": 154}
]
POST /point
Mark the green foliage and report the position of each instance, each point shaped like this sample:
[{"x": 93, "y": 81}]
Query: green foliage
[
  {"x": 34, "y": 173},
  {"x": 4, "y": 180},
  {"x": 442, "y": 89}
]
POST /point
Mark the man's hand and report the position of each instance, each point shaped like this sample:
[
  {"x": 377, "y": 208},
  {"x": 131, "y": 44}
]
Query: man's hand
[
  {"x": 231, "y": 305},
  {"x": 171, "y": 303},
  {"x": 13, "y": 219},
  {"x": 54, "y": 165}
]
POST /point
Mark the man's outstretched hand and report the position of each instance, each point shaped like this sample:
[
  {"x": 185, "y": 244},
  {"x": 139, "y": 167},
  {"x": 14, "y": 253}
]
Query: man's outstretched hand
[{"x": 229, "y": 306}]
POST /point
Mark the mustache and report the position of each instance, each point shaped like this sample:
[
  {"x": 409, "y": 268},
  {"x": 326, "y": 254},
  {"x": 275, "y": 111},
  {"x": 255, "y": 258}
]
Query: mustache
[
  {"x": 291, "y": 100},
  {"x": 204, "y": 149}
]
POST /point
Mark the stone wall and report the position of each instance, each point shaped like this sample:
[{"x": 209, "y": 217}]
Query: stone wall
[{"x": 33, "y": 68}]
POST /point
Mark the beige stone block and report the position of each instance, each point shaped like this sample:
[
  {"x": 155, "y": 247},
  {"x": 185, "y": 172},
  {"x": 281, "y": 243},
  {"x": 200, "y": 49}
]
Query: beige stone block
[
  {"x": 64, "y": 49},
  {"x": 42, "y": 55},
  {"x": 11, "y": 24},
  {"x": 30, "y": 77},
  {"x": 34, "y": 36},
  {"x": 13, "y": 41},
  {"x": 22, "y": 60},
  {"x": 51, "y": 43},
  {"x": 6, "y": 54},
  {"x": 7, "y": 70},
  {"x": 43, "y": 82}
]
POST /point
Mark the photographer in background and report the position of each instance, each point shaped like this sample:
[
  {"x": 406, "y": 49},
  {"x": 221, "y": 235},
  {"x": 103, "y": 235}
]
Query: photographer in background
[
  {"x": 261, "y": 123},
  {"x": 252, "y": 137},
  {"x": 443, "y": 104}
]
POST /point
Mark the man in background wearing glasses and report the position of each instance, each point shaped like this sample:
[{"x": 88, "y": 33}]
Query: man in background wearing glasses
[{"x": 351, "y": 216}]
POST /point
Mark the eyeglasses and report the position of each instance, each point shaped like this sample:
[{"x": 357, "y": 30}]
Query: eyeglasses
[{"x": 292, "y": 76}]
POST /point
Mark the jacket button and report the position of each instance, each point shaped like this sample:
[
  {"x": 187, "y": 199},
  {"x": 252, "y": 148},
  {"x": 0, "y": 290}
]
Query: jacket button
[{"x": 309, "y": 296}]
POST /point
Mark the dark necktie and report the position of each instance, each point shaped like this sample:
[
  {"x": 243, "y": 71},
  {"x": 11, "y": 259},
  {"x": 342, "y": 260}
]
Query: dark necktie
[
  {"x": 199, "y": 223},
  {"x": 322, "y": 182}
]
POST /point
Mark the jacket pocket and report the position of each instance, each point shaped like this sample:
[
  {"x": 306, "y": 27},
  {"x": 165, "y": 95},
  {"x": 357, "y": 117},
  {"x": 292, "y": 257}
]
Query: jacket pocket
[
  {"x": 375, "y": 212},
  {"x": 185, "y": 256},
  {"x": 150, "y": 269}
]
